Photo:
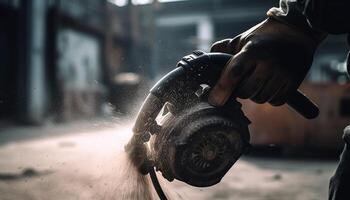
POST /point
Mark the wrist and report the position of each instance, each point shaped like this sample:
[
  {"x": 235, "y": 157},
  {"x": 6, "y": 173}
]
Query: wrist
[{"x": 315, "y": 35}]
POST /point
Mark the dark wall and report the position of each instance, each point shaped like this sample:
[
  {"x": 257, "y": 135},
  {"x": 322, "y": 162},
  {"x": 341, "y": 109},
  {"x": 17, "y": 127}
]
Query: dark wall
[{"x": 8, "y": 61}]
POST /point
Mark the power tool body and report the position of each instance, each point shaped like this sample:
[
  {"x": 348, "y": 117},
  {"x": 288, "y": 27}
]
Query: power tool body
[{"x": 186, "y": 138}]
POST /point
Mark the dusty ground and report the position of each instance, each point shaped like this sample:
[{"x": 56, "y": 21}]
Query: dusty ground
[{"x": 89, "y": 164}]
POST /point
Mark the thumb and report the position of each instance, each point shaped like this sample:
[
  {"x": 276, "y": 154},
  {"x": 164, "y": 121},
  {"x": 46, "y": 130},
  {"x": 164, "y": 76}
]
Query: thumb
[
  {"x": 238, "y": 68},
  {"x": 229, "y": 46}
]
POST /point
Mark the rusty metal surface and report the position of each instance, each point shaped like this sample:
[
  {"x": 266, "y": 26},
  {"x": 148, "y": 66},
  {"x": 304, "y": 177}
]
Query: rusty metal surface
[{"x": 284, "y": 127}]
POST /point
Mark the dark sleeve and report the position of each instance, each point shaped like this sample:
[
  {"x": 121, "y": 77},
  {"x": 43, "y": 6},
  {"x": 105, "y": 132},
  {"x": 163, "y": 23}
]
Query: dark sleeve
[
  {"x": 340, "y": 181},
  {"x": 331, "y": 16}
]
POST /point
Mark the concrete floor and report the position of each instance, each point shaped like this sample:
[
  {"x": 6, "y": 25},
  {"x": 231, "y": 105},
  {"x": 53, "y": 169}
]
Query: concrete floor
[{"x": 89, "y": 163}]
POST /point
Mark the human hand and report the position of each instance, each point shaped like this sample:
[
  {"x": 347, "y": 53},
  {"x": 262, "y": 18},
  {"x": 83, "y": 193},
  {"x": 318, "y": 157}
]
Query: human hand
[{"x": 270, "y": 61}]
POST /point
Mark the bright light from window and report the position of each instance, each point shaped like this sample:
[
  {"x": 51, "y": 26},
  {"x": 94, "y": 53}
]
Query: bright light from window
[
  {"x": 122, "y": 3},
  {"x": 119, "y": 3},
  {"x": 164, "y": 1},
  {"x": 141, "y": 2}
]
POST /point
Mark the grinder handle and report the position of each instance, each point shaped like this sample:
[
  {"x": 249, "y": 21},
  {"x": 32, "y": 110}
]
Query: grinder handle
[{"x": 303, "y": 105}]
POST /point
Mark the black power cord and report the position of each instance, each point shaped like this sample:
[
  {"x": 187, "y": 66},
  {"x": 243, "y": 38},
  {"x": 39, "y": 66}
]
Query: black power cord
[{"x": 156, "y": 185}]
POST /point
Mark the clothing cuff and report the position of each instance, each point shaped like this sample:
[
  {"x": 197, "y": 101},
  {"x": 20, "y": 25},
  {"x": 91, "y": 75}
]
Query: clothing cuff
[{"x": 291, "y": 13}]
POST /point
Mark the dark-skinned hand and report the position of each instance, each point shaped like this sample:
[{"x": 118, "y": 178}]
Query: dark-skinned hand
[{"x": 270, "y": 61}]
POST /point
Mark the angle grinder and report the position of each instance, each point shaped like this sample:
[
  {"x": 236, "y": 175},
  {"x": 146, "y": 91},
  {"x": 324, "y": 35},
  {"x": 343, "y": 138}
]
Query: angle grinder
[{"x": 178, "y": 133}]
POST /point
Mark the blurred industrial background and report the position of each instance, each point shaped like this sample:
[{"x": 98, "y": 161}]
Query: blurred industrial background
[{"x": 64, "y": 61}]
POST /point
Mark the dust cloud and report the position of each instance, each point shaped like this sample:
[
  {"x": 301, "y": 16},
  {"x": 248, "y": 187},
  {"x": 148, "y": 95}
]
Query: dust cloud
[{"x": 132, "y": 185}]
